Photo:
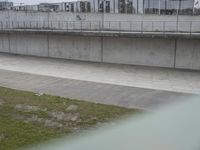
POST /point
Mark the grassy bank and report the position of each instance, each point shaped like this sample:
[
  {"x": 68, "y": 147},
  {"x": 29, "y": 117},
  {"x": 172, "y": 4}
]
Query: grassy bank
[{"x": 28, "y": 118}]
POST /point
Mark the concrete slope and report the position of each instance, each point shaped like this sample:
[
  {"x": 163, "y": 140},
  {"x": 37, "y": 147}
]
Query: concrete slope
[
  {"x": 130, "y": 97},
  {"x": 183, "y": 81}
]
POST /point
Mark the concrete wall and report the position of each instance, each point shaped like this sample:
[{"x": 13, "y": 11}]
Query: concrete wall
[
  {"x": 139, "y": 51},
  {"x": 75, "y": 47},
  {"x": 188, "y": 54},
  {"x": 4, "y": 43},
  {"x": 29, "y": 44},
  {"x": 161, "y": 52}
]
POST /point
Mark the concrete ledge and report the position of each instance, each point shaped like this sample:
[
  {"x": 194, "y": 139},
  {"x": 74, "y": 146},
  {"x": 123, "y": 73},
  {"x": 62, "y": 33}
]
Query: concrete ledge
[{"x": 108, "y": 33}]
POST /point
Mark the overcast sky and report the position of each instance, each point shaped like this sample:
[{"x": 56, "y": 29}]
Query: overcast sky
[{"x": 27, "y": 2}]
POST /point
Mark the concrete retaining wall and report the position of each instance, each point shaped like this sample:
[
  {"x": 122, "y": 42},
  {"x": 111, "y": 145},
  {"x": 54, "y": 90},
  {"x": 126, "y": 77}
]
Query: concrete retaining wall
[
  {"x": 188, "y": 54},
  {"x": 139, "y": 51},
  {"x": 4, "y": 43},
  {"x": 29, "y": 44},
  {"x": 161, "y": 52},
  {"x": 75, "y": 47}
]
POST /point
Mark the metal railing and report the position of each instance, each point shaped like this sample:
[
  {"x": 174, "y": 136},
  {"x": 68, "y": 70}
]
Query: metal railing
[{"x": 97, "y": 26}]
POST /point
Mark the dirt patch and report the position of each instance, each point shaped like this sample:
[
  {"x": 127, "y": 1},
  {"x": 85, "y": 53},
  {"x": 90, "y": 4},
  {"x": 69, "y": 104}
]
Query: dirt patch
[
  {"x": 41, "y": 121},
  {"x": 29, "y": 108},
  {"x": 61, "y": 116},
  {"x": 72, "y": 108},
  {"x": 1, "y": 102},
  {"x": 2, "y": 136}
]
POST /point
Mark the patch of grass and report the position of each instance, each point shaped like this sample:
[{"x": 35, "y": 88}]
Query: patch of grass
[{"x": 23, "y": 126}]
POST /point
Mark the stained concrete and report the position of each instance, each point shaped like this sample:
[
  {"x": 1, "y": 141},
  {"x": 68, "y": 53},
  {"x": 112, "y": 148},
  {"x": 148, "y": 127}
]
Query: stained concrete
[
  {"x": 139, "y": 51},
  {"x": 29, "y": 44},
  {"x": 75, "y": 47},
  {"x": 188, "y": 54},
  {"x": 4, "y": 43}
]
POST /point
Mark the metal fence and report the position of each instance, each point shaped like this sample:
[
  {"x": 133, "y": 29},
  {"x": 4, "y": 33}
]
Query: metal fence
[{"x": 115, "y": 26}]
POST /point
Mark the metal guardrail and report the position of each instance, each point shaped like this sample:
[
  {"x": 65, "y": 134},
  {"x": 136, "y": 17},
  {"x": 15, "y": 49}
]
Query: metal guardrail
[{"x": 117, "y": 26}]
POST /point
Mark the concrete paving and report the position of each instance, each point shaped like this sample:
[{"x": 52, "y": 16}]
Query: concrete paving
[
  {"x": 121, "y": 85},
  {"x": 183, "y": 81},
  {"x": 125, "y": 96}
]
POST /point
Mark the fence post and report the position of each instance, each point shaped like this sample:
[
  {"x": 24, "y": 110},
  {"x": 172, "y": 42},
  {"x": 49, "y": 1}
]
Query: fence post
[
  {"x": 99, "y": 25},
  {"x": 142, "y": 27},
  {"x": 58, "y": 25},
  {"x": 81, "y": 25},
  {"x": 90, "y": 28},
  {"x": 177, "y": 26},
  {"x": 190, "y": 28},
  {"x": 152, "y": 26},
  {"x": 12, "y": 25},
  {"x": 30, "y": 25},
  {"x": 119, "y": 26},
  {"x": 37, "y": 25},
  {"x": 163, "y": 27},
  {"x": 1, "y": 25},
  {"x": 66, "y": 25},
  {"x": 73, "y": 25},
  {"x": 24, "y": 25}
]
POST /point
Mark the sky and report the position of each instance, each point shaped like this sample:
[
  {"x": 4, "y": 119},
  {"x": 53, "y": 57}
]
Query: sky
[{"x": 28, "y": 2}]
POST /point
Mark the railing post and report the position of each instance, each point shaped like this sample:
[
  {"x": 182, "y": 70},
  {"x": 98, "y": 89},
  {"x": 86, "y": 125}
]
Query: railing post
[
  {"x": 37, "y": 25},
  {"x": 81, "y": 26},
  {"x": 12, "y": 25},
  {"x": 43, "y": 27},
  {"x": 190, "y": 28},
  {"x": 163, "y": 27},
  {"x": 177, "y": 26},
  {"x": 152, "y": 26},
  {"x": 142, "y": 27},
  {"x": 130, "y": 25},
  {"x": 1, "y": 25},
  {"x": 99, "y": 25},
  {"x": 66, "y": 25},
  {"x": 24, "y": 25},
  {"x": 90, "y": 28},
  {"x": 119, "y": 26},
  {"x": 58, "y": 24},
  {"x": 73, "y": 25}
]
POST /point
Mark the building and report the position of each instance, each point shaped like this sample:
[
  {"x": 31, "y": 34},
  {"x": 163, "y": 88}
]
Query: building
[
  {"x": 117, "y": 6},
  {"x": 83, "y": 6},
  {"x": 48, "y": 7},
  {"x": 6, "y": 5},
  {"x": 168, "y": 6},
  {"x": 70, "y": 7}
]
